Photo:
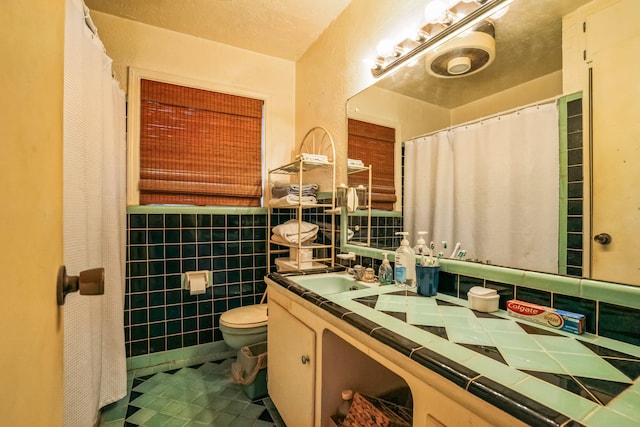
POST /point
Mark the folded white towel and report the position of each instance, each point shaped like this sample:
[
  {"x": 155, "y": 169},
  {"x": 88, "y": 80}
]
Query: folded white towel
[
  {"x": 293, "y": 200},
  {"x": 355, "y": 163},
  {"x": 320, "y": 158},
  {"x": 276, "y": 238},
  {"x": 289, "y": 231}
]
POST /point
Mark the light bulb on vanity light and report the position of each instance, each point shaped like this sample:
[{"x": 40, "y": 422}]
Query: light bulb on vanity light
[
  {"x": 385, "y": 48},
  {"x": 435, "y": 11}
]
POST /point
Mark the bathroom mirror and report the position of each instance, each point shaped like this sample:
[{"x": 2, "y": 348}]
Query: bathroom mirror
[{"x": 528, "y": 46}]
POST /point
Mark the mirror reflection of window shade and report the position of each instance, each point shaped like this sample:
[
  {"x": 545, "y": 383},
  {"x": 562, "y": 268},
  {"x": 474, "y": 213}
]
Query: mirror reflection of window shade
[{"x": 374, "y": 145}]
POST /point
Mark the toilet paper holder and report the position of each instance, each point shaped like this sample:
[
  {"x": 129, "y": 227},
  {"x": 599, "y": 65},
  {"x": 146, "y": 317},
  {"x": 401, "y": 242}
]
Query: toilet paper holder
[{"x": 88, "y": 282}]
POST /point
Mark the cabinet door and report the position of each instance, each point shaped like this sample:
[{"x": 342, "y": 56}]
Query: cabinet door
[
  {"x": 291, "y": 366},
  {"x": 613, "y": 44}
]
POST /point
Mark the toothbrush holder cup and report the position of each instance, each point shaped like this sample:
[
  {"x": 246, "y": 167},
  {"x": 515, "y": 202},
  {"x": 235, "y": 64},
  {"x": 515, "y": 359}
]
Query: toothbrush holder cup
[{"x": 427, "y": 278}]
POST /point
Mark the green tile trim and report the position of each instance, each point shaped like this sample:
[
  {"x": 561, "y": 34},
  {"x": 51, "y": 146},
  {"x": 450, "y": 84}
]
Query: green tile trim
[
  {"x": 376, "y": 213},
  {"x": 215, "y": 210},
  {"x": 612, "y": 293},
  {"x": 563, "y": 186},
  {"x": 554, "y": 397},
  {"x": 170, "y": 359},
  {"x": 548, "y": 282},
  {"x": 502, "y": 274}
]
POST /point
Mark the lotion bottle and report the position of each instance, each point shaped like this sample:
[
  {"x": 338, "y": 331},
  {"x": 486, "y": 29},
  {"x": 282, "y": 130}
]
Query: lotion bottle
[
  {"x": 405, "y": 272},
  {"x": 385, "y": 272}
]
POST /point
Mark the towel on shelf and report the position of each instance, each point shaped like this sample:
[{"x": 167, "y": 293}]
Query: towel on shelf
[
  {"x": 280, "y": 189},
  {"x": 355, "y": 163},
  {"x": 276, "y": 238},
  {"x": 289, "y": 231},
  {"x": 318, "y": 158},
  {"x": 293, "y": 200}
]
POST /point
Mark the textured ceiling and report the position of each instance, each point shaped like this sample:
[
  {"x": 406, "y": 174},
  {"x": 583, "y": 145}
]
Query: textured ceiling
[{"x": 280, "y": 28}]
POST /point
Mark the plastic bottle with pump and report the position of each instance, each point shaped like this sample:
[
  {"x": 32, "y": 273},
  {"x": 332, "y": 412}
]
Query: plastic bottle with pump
[
  {"x": 421, "y": 248},
  {"x": 405, "y": 272},
  {"x": 385, "y": 272}
]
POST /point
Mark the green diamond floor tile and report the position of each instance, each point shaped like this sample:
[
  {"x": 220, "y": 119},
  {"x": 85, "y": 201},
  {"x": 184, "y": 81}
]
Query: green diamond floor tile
[
  {"x": 158, "y": 404},
  {"x": 174, "y": 407},
  {"x": 141, "y": 416},
  {"x": 206, "y": 416},
  {"x": 242, "y": 421},
  {"x": 158, "y": 401},
  {"x": 158, "y": 420},
  {"x": 143, "y": 400},
  {"x": 223, "y": 420},
  {"x": 176, "y": 422}
]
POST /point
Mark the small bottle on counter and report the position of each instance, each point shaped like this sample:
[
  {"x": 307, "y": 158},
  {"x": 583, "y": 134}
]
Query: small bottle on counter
[
  {"x": 385, "y": 272},
  {"x": 345, "y": 404}
]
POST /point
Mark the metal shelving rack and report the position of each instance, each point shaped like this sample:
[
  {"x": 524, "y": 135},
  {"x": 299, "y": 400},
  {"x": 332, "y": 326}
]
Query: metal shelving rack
[
  {"x": 317, "y": 141},
  {"x": 358, "y": 169}
]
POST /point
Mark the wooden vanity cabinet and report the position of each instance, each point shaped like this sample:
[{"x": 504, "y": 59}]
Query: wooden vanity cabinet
[
  {"x": 339, "y": 357},
  {"x": 291, "y": 366}
]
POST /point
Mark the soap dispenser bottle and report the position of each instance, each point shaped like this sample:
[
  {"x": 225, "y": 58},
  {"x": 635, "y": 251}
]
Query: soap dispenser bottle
[
  {"x": 385, "y": 272},
  {"x": 421, "y": 244},
  {"x": 405, "y": 272}
]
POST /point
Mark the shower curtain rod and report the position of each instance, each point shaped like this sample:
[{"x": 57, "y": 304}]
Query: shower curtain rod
[{"x": 481, "y": 119}]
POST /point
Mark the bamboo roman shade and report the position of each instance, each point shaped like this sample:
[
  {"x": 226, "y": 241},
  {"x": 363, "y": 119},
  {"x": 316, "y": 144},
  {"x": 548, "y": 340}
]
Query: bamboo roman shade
[
  {"x": 374, "y": 145},
  {"x": 199, "y": 147}
]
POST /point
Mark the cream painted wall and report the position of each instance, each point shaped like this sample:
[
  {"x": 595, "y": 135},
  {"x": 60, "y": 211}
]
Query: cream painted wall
[
  {"x": 218, "y": 66},
  {"x": 335, "y": 68},
  {"x": 532, "y": 91},
  {"x": 32, "y": 46},
  {"x": 409, "y": 116}
]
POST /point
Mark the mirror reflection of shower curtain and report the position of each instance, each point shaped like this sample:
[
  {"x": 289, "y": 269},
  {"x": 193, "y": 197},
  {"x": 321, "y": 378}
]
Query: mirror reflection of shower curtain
[
  {"x": 94, "y": 223},
  {"x": 503, "y": 204}
]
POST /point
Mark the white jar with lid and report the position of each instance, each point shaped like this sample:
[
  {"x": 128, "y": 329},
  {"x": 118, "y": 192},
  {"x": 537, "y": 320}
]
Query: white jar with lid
[{"x": 483, "y": 299}]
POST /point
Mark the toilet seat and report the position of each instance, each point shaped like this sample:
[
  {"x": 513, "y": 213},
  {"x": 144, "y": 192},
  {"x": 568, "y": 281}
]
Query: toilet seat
[{"x": 249, "y": 316}]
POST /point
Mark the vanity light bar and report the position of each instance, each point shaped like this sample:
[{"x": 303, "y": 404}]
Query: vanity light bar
[{"x": 430, "y": 41}]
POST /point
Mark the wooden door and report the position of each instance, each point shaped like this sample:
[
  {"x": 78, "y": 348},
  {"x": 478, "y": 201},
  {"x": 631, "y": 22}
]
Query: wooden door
[
  {"x": 291, "y": 366},
  {"x": 32, "y": 46},
  {"x": 613, "y": 46}
]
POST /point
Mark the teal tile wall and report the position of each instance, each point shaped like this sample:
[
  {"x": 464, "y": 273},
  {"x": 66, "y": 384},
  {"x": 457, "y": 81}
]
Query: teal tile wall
[{"x": 164, "y": 243}]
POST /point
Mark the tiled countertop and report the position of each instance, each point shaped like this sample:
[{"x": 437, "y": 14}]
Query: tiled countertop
[{"x": 539, "y": 375}]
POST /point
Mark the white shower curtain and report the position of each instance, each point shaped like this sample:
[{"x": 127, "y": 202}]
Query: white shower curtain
[
  {"x": 492, "y": 185},
  {"x": 94, "y": 222}
]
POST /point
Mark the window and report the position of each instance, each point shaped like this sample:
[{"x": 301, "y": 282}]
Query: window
[
  {"x": 374, "y": 145},
  {"x": 198, "y": 147}
]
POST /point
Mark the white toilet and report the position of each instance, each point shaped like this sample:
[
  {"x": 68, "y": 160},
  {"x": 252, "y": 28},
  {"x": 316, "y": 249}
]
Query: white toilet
[{"x": 243, "y": 326}]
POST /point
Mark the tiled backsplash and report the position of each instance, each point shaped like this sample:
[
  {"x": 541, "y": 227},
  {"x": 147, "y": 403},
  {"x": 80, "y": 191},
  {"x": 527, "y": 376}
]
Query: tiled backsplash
[
  {"x": 163, "y": 242},
  {"x": 605, "y": 310},
  {"x": 159, "y": 315}
]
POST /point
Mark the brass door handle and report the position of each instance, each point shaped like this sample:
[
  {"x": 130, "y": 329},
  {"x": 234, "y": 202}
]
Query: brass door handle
[
  {"x": 602, "y": 238},
  {"x": 88, "y": 282}
]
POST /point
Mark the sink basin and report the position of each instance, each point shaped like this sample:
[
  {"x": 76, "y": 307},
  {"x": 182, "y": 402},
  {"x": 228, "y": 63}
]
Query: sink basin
[{"x": 330, "y": 283}]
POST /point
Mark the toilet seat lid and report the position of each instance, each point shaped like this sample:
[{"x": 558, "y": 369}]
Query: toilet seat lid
[{"x": 249, "y": 316}]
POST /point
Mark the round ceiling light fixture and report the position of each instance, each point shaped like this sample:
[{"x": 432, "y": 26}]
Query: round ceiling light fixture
[{"x": 464, "y": 55}]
